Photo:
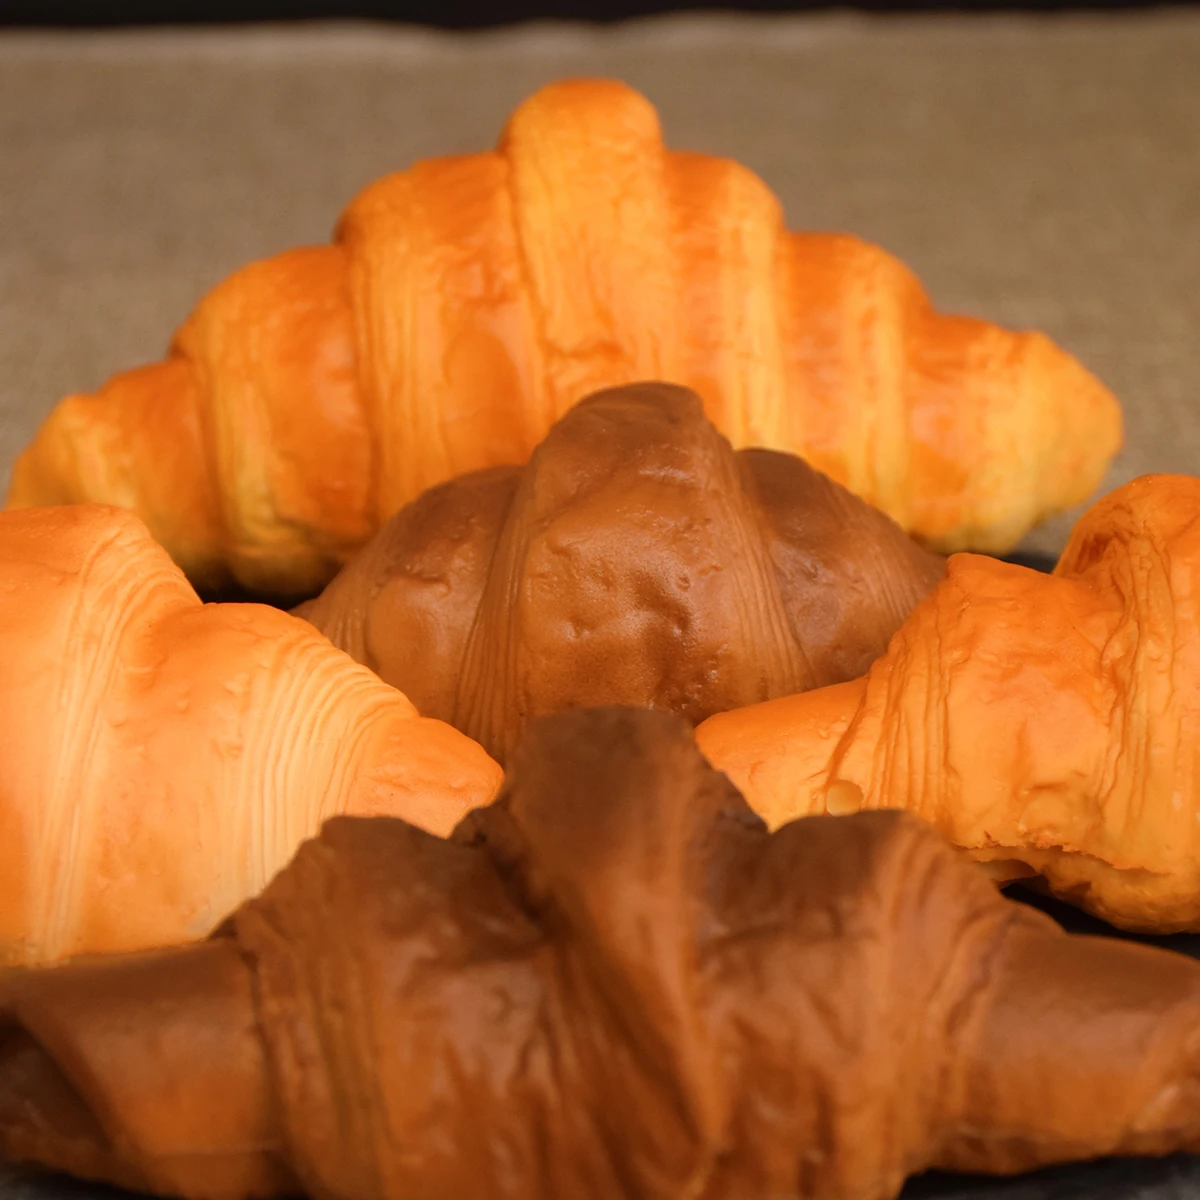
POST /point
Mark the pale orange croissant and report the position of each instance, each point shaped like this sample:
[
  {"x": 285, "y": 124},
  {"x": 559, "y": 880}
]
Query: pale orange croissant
[
  {"x": 160, "y": 760},
  {"x": 469, "y": 301},
  {"x": 1050, "y": 724}
]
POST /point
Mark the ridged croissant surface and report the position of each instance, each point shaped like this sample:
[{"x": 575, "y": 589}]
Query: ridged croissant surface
[
  {"x": 469, "y": 301},
  {"x": 1048, "y": 723},
  {"x": 637, "y": 559},
  {"x": 613, "y": 983},
  {"x": 161, "y": 759}
]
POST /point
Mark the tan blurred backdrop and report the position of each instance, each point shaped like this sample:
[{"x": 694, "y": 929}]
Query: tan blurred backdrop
[{"x": 1042, "y": 172}]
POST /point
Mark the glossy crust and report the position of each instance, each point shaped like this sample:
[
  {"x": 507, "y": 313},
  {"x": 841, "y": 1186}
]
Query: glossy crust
[
  {"x": 614, "y": 982},
  {"x": 636, "y": 559},
  {"x": 1047, "y": 724},
  {"x": 469, "y": 301},
  {"x": 162, "y": 759}
]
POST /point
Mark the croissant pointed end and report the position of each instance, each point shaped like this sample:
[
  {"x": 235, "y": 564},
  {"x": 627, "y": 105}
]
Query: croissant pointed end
[
  {"x": 1082, "y": 430},
  {"x": 1053, "y": 429},
  {"x": 49, "y": 470},
  {"x": 132, "y": 445},
  {"x": 782, "y": 776},
  {"x": 90, "y": 1059},
  {"x": 1157, "y": 513},
  {"x": 582, "y": 107},
  {"x": 1089, "y": 429}
]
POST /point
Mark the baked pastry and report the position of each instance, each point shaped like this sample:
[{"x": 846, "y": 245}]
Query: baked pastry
[
  {"x": 614, "y": 982},
  {"x": 636, "y": 559},
  {"x": 162, "y": 759},
  {"x": 1046, "y": 724},
  {"x": 469, "y": 301}
]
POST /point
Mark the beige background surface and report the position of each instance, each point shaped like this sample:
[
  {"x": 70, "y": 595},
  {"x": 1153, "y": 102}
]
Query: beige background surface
[{"x": 1038, "y": 171}]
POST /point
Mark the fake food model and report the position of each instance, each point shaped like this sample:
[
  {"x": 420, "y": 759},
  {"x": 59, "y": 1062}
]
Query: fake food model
[
  {"x": 469, "y": 301},
  {"x": 1047, "y": 724},
  {"x": 162, "y": 759},
  {"x": 636, "y": 559},
  {"x": 613, "y": 982}
]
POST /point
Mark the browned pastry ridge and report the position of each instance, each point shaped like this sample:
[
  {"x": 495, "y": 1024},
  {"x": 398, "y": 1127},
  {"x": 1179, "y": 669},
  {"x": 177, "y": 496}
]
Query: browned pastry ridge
[
  {"x": 636, "y": 559},
  {"x": 614, "y": 982}
]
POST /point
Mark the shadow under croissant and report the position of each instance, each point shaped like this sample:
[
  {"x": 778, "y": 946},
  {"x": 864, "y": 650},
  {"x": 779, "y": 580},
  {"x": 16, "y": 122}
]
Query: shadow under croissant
[
  {"x": 234, "y": 593},
  {"x": 32, "y": 1186},
  {"x": 1032, "y": 559},
  {"x": 1174, "y": 1178},
  {"x": 1075, "y": 920}
]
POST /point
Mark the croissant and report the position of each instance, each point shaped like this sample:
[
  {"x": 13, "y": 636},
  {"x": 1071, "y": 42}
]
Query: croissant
[
  {"x": 469, "y": 301},
  {"x": 614, "y": 982},
  {"x": 1046, "y": 724},
  {"x": 635, "y": 560},
  {"x": 162, "y": 759}
]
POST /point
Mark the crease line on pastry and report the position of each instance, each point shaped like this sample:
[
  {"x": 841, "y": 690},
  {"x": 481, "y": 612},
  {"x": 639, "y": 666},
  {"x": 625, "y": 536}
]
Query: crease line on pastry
[
  {"x": 465, "y": 714},
  {"x": 533, "y": 313},
  {"x": 762, "y": 610},
  {"x": 71, "y": 807}
]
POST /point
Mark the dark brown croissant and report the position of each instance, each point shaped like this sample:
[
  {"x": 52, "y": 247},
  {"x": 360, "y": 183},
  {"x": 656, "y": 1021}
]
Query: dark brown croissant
[
  {"x": 612, "y": 983},
  {"x": 636, "y": 559}
]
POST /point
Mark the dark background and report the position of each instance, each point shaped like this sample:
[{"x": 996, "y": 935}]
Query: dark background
[{"x": 459, "y": 14}]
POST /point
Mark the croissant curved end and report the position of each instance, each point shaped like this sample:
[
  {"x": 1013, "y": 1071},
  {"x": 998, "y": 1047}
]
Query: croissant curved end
[
  {"x": 164, "y": 757},
  {"x": 1051, "y": 437},
  {"x": 135, "y": 445},
  {"x": 1047, "y": 720}
]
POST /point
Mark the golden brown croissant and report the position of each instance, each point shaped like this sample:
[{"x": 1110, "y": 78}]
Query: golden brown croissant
[
  {"x": 635, "y": 560},
  {"x": 1047, "y": 723},
  {"x": 614, "y": 982},
  {"x": 163, "y": 759},
  {"x": 469, "y": 301}
]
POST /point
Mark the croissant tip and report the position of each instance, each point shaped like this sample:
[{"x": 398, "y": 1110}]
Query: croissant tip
[
  {"x": 1091, "y": 423},
  {"x": 581, "y": 103},
  {"x": 583, "y": 90}
]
